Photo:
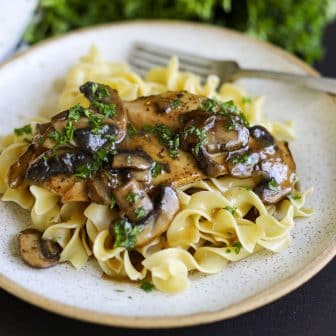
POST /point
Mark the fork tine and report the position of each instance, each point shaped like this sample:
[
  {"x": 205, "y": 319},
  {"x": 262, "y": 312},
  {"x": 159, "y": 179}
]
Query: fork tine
[
  {"x": 166, "y": 53},
  {"x": 152, "y": 60}
]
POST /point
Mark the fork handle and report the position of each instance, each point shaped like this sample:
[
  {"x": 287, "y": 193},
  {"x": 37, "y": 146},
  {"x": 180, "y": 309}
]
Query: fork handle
[{"x": 317, "y": 83}]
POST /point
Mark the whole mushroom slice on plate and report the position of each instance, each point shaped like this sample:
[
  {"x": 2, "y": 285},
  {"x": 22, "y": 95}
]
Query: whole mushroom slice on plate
[
  {"x": 133, "y": 200},
  {"x": 138, "y": 160},
  {"x": 38, "y": 252},
  {"x": 161, "y": 217}
]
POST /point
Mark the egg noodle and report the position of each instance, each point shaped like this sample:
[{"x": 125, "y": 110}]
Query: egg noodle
[{"x": 209, "y": 230}]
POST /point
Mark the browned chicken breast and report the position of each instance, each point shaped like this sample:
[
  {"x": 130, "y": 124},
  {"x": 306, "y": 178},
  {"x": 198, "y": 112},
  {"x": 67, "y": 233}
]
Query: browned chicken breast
[{"x": 133, "y": 154}]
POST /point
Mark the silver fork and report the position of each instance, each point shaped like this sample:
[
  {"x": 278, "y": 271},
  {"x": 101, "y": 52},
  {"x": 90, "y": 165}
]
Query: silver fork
[{"x": 145, "y": 55}]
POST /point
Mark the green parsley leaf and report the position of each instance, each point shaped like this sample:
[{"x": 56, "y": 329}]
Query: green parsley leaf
[
  {"x": 167, "y": 138},
  {"x": 132, "y": 130},
  {"x": 132, "y": 198},
  {"x": 140, "y": 213},
  {"x": 228, "y": 107},
  {"x": 109, "y": 110},
  {"x": 124, "y": 233},
  {"x": 95, "y": 121},
  {"x": 231, "y": 209},
  {"x": 273, "y": 185},
  {"x": 176, "y": 103},
  {"x": 200, "y": 134},
  {"x": 27, "y": 129},
  {"x": 210, "y": 106},
  {"x": 147, "y": 286},
  {"x": 246, "y": 100},
  {"x": 244, "y": 119},
  {"x": 156, "y": 169},
  {"x": 239, "y": 159},
  {"x": 87, "y": 169},
  {"x": 113, "y": 201},
  {"x": 294, "y": 197},
  {"x": 237, "y": 247}
]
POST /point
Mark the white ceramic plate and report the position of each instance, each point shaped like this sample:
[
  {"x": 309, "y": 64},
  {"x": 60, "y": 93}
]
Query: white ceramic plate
[{"x": 27, "y": 85}]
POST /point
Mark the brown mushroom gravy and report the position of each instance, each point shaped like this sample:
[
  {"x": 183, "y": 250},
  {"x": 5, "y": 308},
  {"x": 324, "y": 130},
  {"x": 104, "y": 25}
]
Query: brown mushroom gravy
[{"x": 133, "y": 154}]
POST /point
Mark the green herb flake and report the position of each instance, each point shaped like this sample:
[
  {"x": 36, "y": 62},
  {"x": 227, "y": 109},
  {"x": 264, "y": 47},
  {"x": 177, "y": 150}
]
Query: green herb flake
[
  {"x": 113, "y": 201},
  {"x": 228, "y": 250},
  {"x": 139, "y": 213},
  {"x": 147, "y": 286},
  {"x": 26, "y": 129},
  {"x": 87, "y": 169},
  {"x": 95, "y": 121},
  {"x": 108, "y": 110},
  {"x": 273, "y": 185},
  {"x": 125, "y": 234},
  {"x": 200, "y": 134},
  {"x": 167, "y": 138},
  {"x": 119, "y": 290},
  {"x": 132, "y": 198},
  {"x": 228, "y": 107},
  {"x": 231, "y": 209},
  {"x": 246, "y": 100},
  {"x": 237, "y": 247},
  {"x": 176, "y": 103},
  {"x": 210, "y": 106},
  {"x": 132, "y": 130},
  {"x": 244, "y": 119},
  {"x": 294, "y": 197},
  {"x": 240, "y": 159},
  {"x": 157, "y": 169}
]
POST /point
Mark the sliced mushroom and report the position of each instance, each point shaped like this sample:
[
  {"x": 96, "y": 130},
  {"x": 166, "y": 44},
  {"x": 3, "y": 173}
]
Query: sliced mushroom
[
  {"x": 213, "y": 165},
  {"x": 220, "y": 133},
  {"x": 137, "y": 160},
  {"x": 103, "y": 94},
  {"x": 144, "y": 176},
  {"x": 133, "y": 201},
  {"x": 279, "y": 175},
  {"x": 63, "y": 160},
  {"x": 91, "y": 142},
  {"x": 17, "y": 171},
  {"x": 37, "y": 252},
  {"x": 160, "y": 219},
  {"x": 101, "y": 185}
]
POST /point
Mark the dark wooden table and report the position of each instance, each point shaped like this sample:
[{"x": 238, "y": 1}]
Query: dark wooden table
[{"x": 308, "y": 311}]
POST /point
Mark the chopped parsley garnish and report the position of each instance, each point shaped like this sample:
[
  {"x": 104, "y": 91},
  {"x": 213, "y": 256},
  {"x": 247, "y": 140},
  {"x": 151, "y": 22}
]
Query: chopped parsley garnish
[
  {"x": 224, "y": 108},
  {"x": 95, "y": 121},
  {"x": 27, "y": 129},
  {"x": 132, "y": 130},
  {"x": 156, "y": 169},
  {"x": 132, "y": 198},
  {"x": 99, "y": 91},
  {"x": 58, "y": 137},
  {"x": 75, "y": 112},
  {"x": 125, "y": 234},
  {"x": 167, "y": 138},
  {"x": 231, "y": 125},
  {"x": 231, "y": 209},
  {"x": 246, "y": 100},
  {"x": 210, "y": 106},
  {"x": 110, "y": 137},
  {"x": 239, "y": 159},
  {"x": 294, "y": 197},
  {"x": 147, "y": 286},
  {"x": 88, "y": 168},
  {"x": 113, "y": 201},
  {"x": 199, "y": 133},
  {"x": 228, "y": 251},
  {"x": 175, "y": 103},
  {"x": 273, "y": 185},
  {"x": 108, "y": 110},
  {"x": 139, "y": 213},
  {"x": 237, "y": 247},
  {"x": 228, "y": 107},
  {"x": 244, "y": 118}
]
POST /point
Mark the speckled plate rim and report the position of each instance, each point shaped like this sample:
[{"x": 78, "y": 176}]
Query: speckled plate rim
[{"x": 256, "y": 301}]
